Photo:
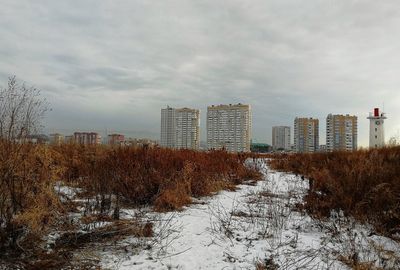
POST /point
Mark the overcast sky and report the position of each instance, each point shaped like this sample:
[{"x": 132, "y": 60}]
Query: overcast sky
[{"x": 114, "y": 64}]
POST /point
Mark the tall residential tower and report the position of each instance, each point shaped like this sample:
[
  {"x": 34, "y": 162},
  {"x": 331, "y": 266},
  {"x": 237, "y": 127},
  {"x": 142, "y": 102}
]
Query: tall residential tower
[
  {"x": 341, "y": 132},
  {"x": 168, "y": 127},
  {"x": 229, "y": 127},
  {"x": 281, "y": 138},
  {"x": 187, "y": 128},
  {"x": 306, "y": 135},
  {"x": 180, "y": 128}
]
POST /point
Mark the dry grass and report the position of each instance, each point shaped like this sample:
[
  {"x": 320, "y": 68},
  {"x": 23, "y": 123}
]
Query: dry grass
[
  {"x": 364, "y": 184},
  {"x": 161, "y": 177},
  {"x": 165, "y": 179},
  {"x": 29, "y": 206}
]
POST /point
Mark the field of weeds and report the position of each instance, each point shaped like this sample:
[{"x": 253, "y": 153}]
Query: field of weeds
[
  {"x": 364, "y": 184},
  {"x": 37, "y": 183}
]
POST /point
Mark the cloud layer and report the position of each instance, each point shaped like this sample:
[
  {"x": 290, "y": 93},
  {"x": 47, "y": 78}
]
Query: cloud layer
[{"x": 114, "y": 64}]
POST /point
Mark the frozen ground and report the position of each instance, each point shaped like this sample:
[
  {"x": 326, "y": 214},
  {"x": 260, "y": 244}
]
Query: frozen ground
[{"x": 257, "y": 224}]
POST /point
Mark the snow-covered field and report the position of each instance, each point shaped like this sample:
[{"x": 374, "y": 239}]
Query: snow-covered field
[{"x": 254, "y": 225}]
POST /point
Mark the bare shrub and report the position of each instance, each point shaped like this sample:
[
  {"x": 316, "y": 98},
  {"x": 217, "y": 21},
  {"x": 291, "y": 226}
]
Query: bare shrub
[
  {"x": 364, "y": 184},
  {"x": 28, "y": 204},
  {"x": 163, "y": 177}
]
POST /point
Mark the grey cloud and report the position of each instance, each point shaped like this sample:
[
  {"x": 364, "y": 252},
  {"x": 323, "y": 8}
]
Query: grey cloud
[{"x": 118, "y": 62}]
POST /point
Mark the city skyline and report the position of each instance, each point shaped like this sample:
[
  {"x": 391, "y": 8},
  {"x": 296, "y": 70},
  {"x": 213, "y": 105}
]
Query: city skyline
[
  {"x": 107, "y": 65},
  {"x": 271, "y": 143}
]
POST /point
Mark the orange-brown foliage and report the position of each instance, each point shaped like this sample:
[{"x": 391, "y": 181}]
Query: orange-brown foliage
[
  {"x": 164, "y": 178},
  {"x": 364, "y": 184},
  {"x": 161, "y": 177},
  {"x": 28, "y": 203}
]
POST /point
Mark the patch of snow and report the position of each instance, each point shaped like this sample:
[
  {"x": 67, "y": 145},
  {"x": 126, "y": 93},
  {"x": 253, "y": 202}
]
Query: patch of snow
[
  {"x": 237, "y": 229},
  {"x": 66, "y": 192}
]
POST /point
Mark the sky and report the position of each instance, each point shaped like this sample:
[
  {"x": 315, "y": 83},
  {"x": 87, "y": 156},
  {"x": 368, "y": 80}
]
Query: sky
[{"x": 111, "y": 65}]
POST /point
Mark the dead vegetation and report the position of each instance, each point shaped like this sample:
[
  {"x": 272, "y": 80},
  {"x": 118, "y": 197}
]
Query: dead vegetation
[
  {"x": 106, "y": 179},
  {"x": 161, "y": 177},
  {"x": 364, "y": 184}
]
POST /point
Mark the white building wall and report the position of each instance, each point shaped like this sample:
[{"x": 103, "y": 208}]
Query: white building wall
[{"x": 376, "y": 131}]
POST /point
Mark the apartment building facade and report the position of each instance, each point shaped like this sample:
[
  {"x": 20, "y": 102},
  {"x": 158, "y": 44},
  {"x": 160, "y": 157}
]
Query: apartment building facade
[
  {"x": 115, "y": 139},
  {"x": 87, "y": 138},
  {"x": 281, "y": 138},
  {"x": 168, "y": 127},
  {"x": 187, "y": 131},
  {"x": 229, "y": 127},
  {"x": 306, "y": 135},
  {"x": 180, "y": 128},
  {"x": 341, "y": 132}
]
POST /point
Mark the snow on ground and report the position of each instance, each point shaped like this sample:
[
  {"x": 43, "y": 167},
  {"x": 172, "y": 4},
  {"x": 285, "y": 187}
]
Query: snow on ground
[
  {"x": 66, "y": 192},
  {"x": 254, "y": 224}
]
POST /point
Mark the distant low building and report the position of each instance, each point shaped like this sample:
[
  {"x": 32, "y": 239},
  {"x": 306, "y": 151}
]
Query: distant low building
[
  {"x": 87, "y": 138},
  {"x": 36, "y": 139},
  {"x": 56, "y": 138},
  {"x": 115, "y": 139},
  {"x": 133, "y": 142},
  {"x": 260, "y": 148}
]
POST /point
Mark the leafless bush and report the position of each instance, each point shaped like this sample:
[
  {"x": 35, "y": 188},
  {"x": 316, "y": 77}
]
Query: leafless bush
[
  {"x": 28, "y": 204},
  {"x": 21, "y": 110},
  {"x": 363, "y": 184},
  {"x": 167, "y": 230},
  {"x": 356, "y": 247},
  {"x": 222, "y": 219}
]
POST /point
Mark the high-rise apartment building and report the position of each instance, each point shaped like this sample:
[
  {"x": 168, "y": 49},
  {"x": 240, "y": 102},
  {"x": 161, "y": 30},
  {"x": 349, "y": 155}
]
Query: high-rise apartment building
[
  {"x": 168, "y": 127},
  {"x": 341, "y": 132},
  {"x": 376, "y": 129},
  {"x": 306, "y": 135},
  {"x": 281, "y": 138},
  {"x": 187, "y": 128},
  {"x": 87, "y": 138},
  {"x": 229, "y": 127},
  {"x": 180, "y": 128}
]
